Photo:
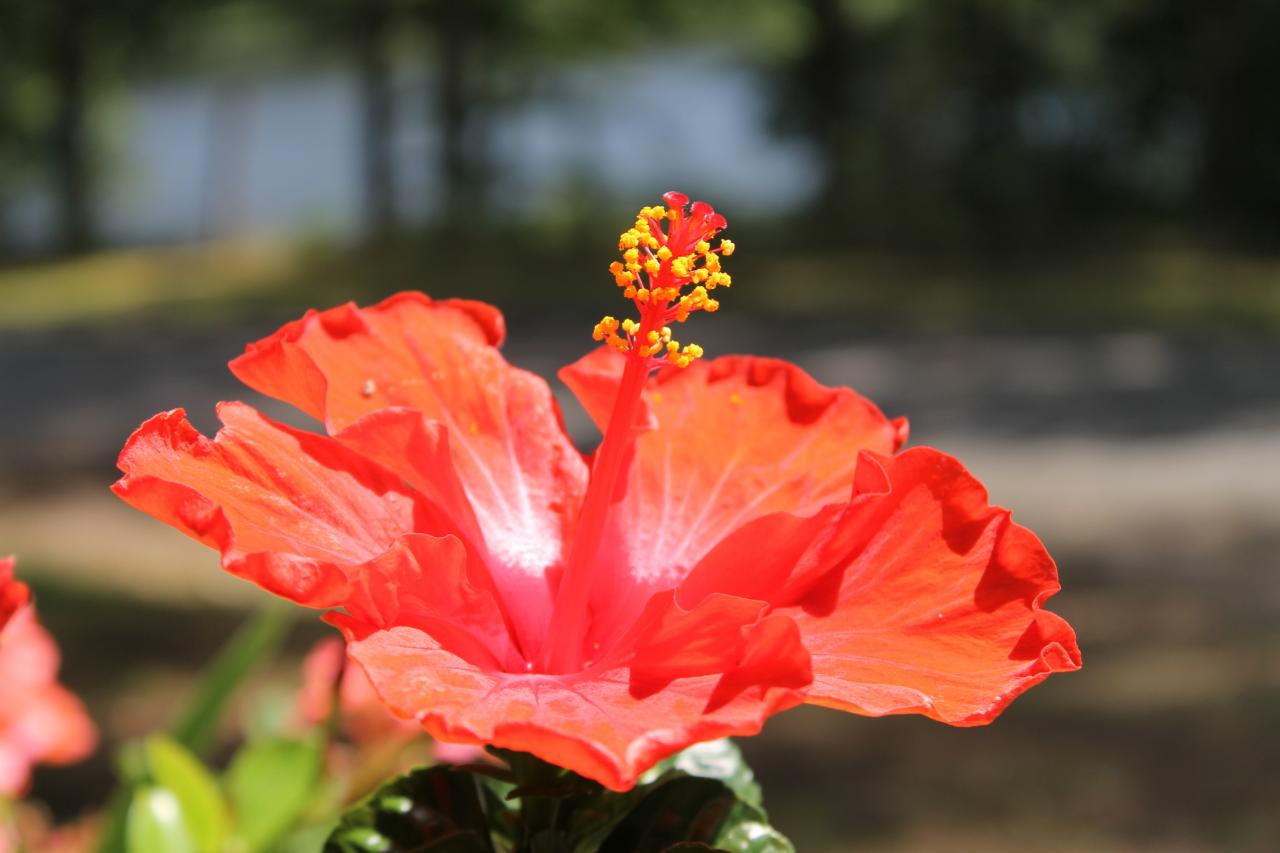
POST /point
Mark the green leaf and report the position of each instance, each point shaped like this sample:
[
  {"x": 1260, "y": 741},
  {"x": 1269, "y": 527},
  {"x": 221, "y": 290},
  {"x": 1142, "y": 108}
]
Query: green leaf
[
  {"x": 591, "y": 819},
  {"x": 306, "y": 839},
  {"x": 269, "y": 784},
  {"x": 437, "y": 809},
  {"x": 746, "y": 829},
  {"x": 154, "y": 823},
  {"x": 720, "y": 759},
  {"x": 204, "y": 811},
  {"x": 682, "y": 808}
]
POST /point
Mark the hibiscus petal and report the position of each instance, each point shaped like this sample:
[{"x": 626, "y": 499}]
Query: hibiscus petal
[
  {"x": 780, "y": 558},
  {"x": 522, "y": 475},
  {"x": 29, "y": 657},
  {"x": 671, "y": 642},
  {"x": 289, "y": 510},
  {"x": 739, "y": 438},
  {"x": 40, "y": 721},
  {"x": 13, "y": 593},
  {"x": 405, "y": 441},
  {"x": 591, "y": 724},
  {"x": 422, "y": 581},
  {"x": 938, "y": 609},
  {"x": 735, "y": 638},
  {"x": 52, "y": 726}
]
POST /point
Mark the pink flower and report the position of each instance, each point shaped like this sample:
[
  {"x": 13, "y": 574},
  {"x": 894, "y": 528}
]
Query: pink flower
[{"x": 41, "y": 722}]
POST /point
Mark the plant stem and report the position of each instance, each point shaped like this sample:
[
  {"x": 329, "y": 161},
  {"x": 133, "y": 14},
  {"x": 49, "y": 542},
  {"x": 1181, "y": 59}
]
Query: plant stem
[
  {"x": 253, "y": 642},
  {"x": 539, "y": 809}
]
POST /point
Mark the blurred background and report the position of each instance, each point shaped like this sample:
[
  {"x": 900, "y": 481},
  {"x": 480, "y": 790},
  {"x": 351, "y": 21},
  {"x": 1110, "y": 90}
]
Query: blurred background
[{"x": 1045, "y": 232}]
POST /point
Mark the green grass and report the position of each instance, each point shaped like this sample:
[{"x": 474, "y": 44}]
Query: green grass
[
  {"x": 1180, "y": 290},
  {"x": 109, "y": 285}
]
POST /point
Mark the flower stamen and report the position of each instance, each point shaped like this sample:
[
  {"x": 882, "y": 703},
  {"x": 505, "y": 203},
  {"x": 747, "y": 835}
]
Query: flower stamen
[
  {"x": 667, "y": 250},
  {"x": 668, "y": 269}
]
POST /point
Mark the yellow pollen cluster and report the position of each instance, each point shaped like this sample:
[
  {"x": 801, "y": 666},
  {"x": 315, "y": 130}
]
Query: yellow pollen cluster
[
  {"x": 607, "y": 330},
  {"x": 654, "y": 277}
]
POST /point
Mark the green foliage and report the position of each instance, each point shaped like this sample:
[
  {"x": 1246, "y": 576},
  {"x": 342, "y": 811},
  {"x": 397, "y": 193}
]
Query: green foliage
[
  {"x": 176, "y": 804},
  {"x": 704, "y": 798},
  {"x": 716, "y": 759},
  {"x": 203, "y": 810},
  {"x": 251, "y": 645},
  {"x": 156, "y": 823},
  {"x": 171, "y": 802},
  {"x": 269, "y": 785},
  {"x": 440, "y": 809}
]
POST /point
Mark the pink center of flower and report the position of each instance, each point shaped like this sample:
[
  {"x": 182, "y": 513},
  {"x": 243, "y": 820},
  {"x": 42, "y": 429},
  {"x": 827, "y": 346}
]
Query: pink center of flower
[{"x": 656, "y": 268}]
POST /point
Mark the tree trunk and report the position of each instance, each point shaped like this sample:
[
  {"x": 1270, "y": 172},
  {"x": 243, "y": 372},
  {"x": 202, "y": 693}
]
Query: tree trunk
[
  {"x": 70, "y": 135},
  {"x": 377, "y": 119},
  {"x": 828, "y": 75},
  {"x": 456, "y": 164}
]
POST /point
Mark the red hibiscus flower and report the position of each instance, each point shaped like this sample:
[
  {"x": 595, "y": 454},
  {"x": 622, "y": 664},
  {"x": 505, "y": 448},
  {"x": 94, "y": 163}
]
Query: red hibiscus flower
[
  {"x": 743, "y": 539},
  {"x": 41, "y": 722}
]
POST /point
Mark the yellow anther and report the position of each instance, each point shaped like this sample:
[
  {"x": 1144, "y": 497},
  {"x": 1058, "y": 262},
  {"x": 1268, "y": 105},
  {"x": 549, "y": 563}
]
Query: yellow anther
[
  {"x": 645, "y": 251},
  {"x": 688, "y": 355},
  {"x": 605, "y": 328},
  {"x": 718, "y": 279}
]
